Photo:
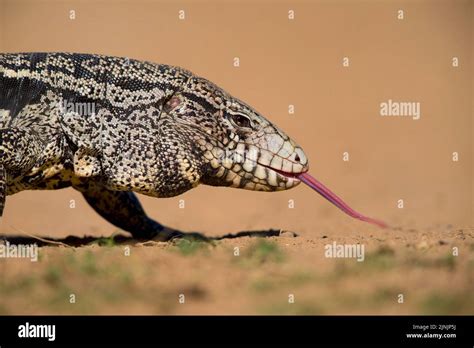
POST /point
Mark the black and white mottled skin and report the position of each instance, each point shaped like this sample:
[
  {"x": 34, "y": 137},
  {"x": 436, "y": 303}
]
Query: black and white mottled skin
[{"x": 111, "y": 126}]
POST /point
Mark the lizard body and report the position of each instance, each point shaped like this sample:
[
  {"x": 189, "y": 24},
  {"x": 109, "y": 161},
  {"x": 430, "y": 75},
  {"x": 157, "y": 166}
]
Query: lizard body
[{"x": 110, "y": 126}]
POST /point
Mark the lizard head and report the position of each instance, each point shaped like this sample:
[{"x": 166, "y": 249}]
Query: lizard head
[
  {"x": 225, "y": 142},
  {"x": 232, "y": 144}
]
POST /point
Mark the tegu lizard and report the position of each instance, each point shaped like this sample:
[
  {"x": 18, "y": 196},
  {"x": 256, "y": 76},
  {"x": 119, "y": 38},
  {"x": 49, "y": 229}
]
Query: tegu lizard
[{"x": 111, "y": 127}]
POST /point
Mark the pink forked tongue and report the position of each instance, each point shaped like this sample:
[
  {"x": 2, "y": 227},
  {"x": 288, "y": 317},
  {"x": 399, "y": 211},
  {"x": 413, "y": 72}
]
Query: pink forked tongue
[{"x": 331, "y": 197}]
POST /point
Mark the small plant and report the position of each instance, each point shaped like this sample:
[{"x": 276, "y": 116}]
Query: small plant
[
  {"x": 264, "y": 251},
  {"x": 88, "y": 265},
  {"x": 189, "y": 247},
  {"x": 105, "y": 241},
  {"x": 53, "y": 275},
  {"x": 442, "y": 304},
  {"x": 262, "y": 286}
]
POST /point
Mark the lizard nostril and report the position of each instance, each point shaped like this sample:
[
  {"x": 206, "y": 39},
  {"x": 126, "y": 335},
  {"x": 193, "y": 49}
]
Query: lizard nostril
[{"x": 297, "y": 158}]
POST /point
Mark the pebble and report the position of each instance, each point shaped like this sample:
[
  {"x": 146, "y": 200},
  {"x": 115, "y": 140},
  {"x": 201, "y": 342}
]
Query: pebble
[{"x": 288, "y": 234}]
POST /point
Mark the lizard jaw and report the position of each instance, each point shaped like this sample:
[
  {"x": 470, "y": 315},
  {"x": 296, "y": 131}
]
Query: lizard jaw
[
  {"x": 286, "y": 175},
  {"x": 290, "y": 179}
]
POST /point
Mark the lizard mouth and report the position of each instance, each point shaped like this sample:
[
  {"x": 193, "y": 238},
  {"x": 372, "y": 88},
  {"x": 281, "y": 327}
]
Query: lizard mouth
[{"x": 287, "y": 175}]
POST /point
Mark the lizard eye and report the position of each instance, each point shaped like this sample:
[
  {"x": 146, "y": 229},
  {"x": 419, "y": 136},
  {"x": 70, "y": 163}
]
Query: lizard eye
[
  {"x": 242, "y": 121},
  {"x": 172, "y": 102}
]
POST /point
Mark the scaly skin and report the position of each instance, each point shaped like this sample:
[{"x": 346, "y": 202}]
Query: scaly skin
[{"x": 111, "y": 126}]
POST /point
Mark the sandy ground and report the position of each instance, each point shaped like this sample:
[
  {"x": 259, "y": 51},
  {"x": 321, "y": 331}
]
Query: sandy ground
[
  {"x": 283, "y": 63},
  {"x": 432, "y": 267},
  {"x": 249, "y": 275}
]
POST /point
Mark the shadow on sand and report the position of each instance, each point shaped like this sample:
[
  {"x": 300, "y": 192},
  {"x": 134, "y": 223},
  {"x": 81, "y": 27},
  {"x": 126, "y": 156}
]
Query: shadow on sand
[{"x": 117, "y": 239}]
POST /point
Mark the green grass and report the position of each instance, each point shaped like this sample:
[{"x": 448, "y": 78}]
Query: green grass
[
  {"x": 438, "y": 303},
  {"x": 53, "y": 275},
  {"x": 88, "y": 264},
  {"x": 263, "y": 251},
  {"x": 385, "y": 295},
  {"x": 4, "y": 310},
  {"x": 21, "y": 284},
  {"x": 301, "y": 278},
  {"x": 262, "y": 285},
  {"x": 188, "y": 247},
  {"x": 105, "y": 241},
  {"x": 448, "y": 261},
  {"x": 293, "y": 280}
]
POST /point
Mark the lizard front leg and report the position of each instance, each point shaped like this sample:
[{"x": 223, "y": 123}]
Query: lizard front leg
[
  {"x": 20, "y": 149},
  {"x": 123, "y": 209}
]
